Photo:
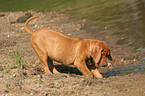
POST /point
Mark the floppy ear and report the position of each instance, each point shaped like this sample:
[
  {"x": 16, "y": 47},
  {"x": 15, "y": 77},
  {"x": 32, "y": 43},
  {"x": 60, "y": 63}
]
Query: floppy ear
[
  {"x": 96, "y": 53},
  {"x": 110, "y": 57}
]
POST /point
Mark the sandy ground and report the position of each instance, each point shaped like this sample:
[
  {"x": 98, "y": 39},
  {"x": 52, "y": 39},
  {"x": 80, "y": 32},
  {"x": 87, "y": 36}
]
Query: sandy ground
[{"x": 23, "y": 77}]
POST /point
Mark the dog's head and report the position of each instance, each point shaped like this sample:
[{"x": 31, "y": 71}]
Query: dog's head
[{"x": 100, "y": 52}]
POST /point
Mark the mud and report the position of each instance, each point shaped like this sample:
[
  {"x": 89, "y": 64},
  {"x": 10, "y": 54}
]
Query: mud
[{"x": 20, "y": 69}]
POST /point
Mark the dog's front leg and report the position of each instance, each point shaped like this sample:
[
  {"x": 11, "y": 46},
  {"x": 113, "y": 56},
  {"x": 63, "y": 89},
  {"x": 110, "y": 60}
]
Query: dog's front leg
[
  {"x": 81, "y": 66},
  {"x": 95, "y": 71}
]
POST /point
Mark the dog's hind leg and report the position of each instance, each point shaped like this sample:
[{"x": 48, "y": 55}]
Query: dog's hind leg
[
  {"x": 43, "y": 57},
  {"x": 51, "y": 66}
]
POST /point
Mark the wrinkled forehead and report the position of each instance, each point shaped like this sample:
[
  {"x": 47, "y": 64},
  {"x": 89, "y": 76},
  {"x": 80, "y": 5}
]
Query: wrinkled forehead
[{"x": 105, "y": 48}]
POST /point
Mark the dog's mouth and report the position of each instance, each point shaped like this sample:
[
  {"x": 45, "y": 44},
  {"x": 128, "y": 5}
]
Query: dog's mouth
[
  {"x": 98, "y": 65},
  {"x": 105, "y": 65}
]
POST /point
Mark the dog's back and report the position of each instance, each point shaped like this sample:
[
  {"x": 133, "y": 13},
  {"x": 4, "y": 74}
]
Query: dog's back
[{"x": 59, "y": 47}]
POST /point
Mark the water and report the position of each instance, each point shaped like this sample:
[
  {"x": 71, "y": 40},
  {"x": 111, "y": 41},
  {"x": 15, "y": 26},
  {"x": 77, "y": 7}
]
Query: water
[
  {"x": 126, "y": 69},
  {"x": 126, "y": 18}
]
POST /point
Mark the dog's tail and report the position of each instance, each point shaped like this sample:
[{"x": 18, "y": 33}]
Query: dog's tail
[{"x": 26, "y": 27}]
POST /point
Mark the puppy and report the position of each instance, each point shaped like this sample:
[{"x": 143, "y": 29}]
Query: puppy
[{"x": 84, "y": 54}]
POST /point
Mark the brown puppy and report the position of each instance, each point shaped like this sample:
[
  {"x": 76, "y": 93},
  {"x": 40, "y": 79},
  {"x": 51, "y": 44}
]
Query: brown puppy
[{"x": 52, "y": 45}]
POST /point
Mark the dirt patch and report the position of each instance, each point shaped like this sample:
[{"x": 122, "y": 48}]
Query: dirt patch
[{"x": 24, "y": 77}]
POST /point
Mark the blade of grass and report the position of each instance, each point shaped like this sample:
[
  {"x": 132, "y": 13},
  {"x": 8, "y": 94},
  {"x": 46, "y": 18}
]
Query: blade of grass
[{"x": 18, "y": 57}]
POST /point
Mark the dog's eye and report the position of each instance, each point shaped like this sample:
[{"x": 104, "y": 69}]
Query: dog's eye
[{"x": 102, "y": 50}]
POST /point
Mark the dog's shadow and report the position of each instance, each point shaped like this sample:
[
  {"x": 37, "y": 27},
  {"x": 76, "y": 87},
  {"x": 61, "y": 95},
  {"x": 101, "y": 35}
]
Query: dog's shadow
[
  {"x": 66, "y": 69},
  {"x": 73, "y": 70}
]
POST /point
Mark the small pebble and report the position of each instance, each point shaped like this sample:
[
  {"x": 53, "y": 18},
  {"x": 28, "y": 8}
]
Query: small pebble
[{"x": 69, "y": 34}]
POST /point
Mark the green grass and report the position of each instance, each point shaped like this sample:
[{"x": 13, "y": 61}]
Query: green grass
[{"x": 17, "y": 55}]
